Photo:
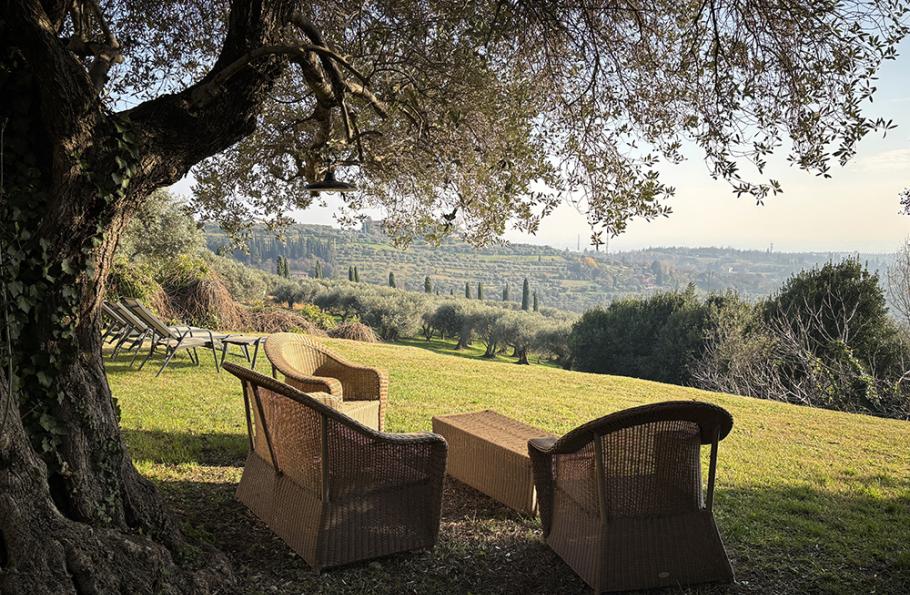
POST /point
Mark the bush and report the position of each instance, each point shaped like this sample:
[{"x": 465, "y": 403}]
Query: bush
[
  {"x": 132, "y": 279},
  {"x": 246, "y": 284},
  {"x": 278, "y": 320},
  {"x": 825, "y": 341},
  {"x": 653, "y": 338},
  {"x": 354, "y": 331},
  {"x": 314, "y": 314},
  {"x": 177, "y": 274}
]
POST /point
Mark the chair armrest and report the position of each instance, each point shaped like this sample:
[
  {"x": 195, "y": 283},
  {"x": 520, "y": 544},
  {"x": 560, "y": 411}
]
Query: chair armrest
[
  {"x": 333, "y": 401},
  {"x": 314, "y": 384},
  {"x": 542, "y": 469},
  {"x": 360, "y": 383},
  {"x": 542, "y": 445}
]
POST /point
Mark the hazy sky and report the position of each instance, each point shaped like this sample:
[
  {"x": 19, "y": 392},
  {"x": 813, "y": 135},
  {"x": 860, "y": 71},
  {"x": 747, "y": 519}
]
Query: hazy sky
[{"x": 855, "y": 210}]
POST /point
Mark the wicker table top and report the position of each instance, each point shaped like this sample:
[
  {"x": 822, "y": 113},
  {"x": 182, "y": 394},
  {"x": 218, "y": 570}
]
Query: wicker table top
[{"x": 496, "y": 429}]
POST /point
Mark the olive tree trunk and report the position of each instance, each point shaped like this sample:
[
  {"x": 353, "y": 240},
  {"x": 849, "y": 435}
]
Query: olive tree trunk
[{"x": 75, "y": 515}]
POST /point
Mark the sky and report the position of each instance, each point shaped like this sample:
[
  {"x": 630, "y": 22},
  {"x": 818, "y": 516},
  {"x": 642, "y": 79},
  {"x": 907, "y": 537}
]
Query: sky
[{"x": 856, "y": 210}]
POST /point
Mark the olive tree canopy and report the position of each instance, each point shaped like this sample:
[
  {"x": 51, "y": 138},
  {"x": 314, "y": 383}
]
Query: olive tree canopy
[{"x": 471, "y": 115}]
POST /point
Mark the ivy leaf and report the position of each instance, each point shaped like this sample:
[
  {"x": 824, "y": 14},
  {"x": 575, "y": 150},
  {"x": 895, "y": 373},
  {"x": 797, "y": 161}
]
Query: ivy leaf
[{"x": 43, "y": 379}]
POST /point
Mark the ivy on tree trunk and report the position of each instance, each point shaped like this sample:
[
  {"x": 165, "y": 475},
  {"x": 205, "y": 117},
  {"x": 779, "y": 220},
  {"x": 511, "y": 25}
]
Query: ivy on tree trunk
[{"x": 75, "y": 515}]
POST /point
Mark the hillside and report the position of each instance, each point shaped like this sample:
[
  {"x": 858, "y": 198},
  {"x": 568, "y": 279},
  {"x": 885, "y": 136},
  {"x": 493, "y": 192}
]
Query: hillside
[
  {"x": 808, "y": 500},
  {"x": 566, "y": 280}
]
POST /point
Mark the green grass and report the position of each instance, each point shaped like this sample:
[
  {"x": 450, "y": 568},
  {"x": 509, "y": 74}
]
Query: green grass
[{"x": 807, "y": 499}]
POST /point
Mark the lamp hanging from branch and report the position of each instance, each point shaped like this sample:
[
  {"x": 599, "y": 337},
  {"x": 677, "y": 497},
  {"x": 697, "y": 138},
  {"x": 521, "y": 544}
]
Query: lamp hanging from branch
[{"x": 330, "y": 184}]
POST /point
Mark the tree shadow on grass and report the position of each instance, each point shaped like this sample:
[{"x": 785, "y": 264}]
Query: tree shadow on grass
[
  {"x": 474, "y": 352},
  {"x": 121, "y": 363},
  {"x": 781, "y": 540}
]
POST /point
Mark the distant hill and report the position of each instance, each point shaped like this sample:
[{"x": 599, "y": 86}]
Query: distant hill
[{"x": 567, "y": 280}]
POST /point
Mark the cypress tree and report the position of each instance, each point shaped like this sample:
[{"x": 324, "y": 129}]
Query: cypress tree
[
  {"x": 356, "y": 275},
  {"x": 318, "y": 269},
  {"x": 278, "y": 269},
  {"x": 505, "y": 293},
  {"x": 467, "y": 290},
  {"x": 536, "y": 305},
  {"x": 392, "y": 279},
  {"x": 479, "y": 290},
  {"x": 427, "y": 285},
  {"x": 525, "y": 295},
  {"x": 350, "y": 273}
]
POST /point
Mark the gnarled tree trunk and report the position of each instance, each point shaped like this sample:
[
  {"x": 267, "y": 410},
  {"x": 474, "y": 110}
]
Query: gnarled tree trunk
[{"x": 75, "y": 516}]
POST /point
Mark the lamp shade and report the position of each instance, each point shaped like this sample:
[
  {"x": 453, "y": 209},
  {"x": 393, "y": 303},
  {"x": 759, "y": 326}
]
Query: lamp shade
[{"x": 330, "y": 184}]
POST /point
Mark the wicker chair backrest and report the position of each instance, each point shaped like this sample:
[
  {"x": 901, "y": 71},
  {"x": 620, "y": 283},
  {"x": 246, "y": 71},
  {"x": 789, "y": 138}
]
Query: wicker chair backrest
[
  {"x": 295, "y": 352},
  {"x": 295, "y": 432},
  {"x": 640, "y": 462}
]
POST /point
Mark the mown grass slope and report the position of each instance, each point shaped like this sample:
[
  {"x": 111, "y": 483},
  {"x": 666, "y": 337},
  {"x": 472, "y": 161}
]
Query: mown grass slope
[{"x": 807, "y": 499}]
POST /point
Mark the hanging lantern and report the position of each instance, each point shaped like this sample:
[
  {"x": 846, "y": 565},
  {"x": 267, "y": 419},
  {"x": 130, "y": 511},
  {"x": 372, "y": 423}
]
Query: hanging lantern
[{"x": 330, "y": 184}]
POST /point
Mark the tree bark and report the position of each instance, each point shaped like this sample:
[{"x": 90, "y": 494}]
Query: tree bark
[{"x": 75, "y": 515}]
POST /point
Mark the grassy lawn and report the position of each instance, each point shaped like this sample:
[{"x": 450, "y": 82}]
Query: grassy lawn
[{"x": 807, "y": 500}]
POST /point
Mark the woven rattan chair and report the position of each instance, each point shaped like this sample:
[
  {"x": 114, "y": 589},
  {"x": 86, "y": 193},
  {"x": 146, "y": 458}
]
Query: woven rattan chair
[
  {"x": 309, "y": 367},
  {"x": 334, "y": 490},
  {"x": 621, "y": 497}
]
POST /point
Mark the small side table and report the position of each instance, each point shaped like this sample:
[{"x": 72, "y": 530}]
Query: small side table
[
  {"x": 244, "y": 342},
  {"x": 489, "y": 452}
]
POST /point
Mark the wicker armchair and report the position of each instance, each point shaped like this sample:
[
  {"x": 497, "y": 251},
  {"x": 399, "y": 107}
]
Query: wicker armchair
[
  {"x": 621, "y": 498},
  {"x": 361, "y": 391},
  {"x": 334, "y": 490}
]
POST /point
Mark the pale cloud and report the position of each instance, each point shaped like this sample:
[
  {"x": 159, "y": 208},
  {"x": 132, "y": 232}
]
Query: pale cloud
[{"x": 894, "y": 160}]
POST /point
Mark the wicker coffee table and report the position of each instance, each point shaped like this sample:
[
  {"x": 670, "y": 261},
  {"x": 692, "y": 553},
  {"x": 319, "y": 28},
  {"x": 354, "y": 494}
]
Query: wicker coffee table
[{"x": 489, "y": 452}]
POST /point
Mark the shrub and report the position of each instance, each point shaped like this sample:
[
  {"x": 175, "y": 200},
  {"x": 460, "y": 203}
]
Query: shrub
[
  {"x": 314, "y": 314},
  {"x": 653, "y": 338},
  {"x": 132, "y": 279},
  {"x": 825, "y": 341},
  {"x": 279, "y": 320},
  {"x": 177, "y": 274},
  {"x": 354, "y": 331},
  {"x": 246, "y": 284}
]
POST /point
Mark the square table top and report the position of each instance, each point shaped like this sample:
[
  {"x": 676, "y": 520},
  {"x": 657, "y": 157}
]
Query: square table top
[{"x": 494, "y": 428}]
